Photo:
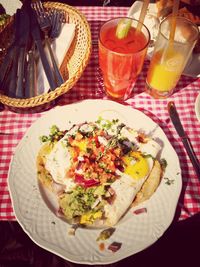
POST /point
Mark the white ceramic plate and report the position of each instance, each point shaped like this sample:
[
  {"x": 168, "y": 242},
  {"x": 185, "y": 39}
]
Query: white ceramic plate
[
  {"x": 152, "y": 23},
  {"x": 134, "y": 232},
  {"x": 197, "y": 107}
]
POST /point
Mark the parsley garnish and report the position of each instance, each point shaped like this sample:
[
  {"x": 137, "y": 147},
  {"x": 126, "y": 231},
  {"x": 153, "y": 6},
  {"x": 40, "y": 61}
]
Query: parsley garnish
[
  {"x": 169, "y": 181},
  {"x": 55, "y": 135}
]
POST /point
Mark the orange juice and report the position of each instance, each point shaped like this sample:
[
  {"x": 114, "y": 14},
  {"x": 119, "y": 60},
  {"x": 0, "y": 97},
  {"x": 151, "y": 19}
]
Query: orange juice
[
  {"x": 170, "y": 56},
  {"x": 121, "y": 60},
  {"x": 165, "y": 70}
]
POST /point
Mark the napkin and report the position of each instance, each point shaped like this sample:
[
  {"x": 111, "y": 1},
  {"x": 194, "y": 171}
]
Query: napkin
[
  {"x": 150, "y": 21},
  {"x": 60, "y": 47},
  {"x": 11, "y": 6}
]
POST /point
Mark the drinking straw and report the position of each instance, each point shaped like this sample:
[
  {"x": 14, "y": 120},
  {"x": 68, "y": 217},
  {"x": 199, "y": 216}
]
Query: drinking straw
[
  {"x": 172, "y": 30},
  {"x": 142, "y": 15},
  {"x": 125, "y": 24},
  {"x": 173, "y": 24}
]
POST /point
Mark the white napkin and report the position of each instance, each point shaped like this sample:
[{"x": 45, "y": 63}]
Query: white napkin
[
  {"x": 150, "y": 21},
  {"x": 11, "y": 6},
  {"x": 60, "y": 47}
]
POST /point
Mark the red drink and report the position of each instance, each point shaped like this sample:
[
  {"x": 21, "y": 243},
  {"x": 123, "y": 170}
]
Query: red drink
[{"x": 121, "y": 60}]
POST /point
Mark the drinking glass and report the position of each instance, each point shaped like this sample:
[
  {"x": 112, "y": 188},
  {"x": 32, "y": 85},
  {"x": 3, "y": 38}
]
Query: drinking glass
[
  {"x": 121, "y": 59},
  {"x": 170, "y": 56}
]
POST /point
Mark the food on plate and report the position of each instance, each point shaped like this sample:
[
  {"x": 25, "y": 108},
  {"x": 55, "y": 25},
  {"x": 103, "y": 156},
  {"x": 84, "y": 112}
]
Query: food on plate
[
  {"x": 150, "y": 184},
  {"x": 115, "y": 246},
  {"x": 106, "y": 234},
  {"x": 96, "y": 170}
]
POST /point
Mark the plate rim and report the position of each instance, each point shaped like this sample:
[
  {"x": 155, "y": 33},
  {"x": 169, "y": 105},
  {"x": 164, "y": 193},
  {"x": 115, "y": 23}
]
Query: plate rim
[
  {"x": 197, "y": 107},
  {"x": 39, "y": 241}
]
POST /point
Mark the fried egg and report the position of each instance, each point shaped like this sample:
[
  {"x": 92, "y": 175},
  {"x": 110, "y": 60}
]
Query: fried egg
[
  {"x": 58, "y": 162},
  {"x": 137, "y": 166}
]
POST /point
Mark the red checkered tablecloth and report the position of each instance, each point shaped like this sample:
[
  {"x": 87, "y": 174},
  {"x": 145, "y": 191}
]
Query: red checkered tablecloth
[{"x": 14, "y": 125}]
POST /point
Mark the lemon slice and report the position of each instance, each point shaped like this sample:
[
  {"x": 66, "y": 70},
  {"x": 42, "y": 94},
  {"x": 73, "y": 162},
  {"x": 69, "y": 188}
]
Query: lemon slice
[{"x": 123, "y": 28}]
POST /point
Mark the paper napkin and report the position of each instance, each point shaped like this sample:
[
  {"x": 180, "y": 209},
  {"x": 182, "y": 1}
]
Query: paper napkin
[
  {"x": 11, "y": 6},
  {"x": 60, "y": 47}
]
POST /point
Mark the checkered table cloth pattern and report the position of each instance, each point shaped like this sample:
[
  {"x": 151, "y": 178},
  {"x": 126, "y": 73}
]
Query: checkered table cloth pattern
[{"x": 90, "y": 86}]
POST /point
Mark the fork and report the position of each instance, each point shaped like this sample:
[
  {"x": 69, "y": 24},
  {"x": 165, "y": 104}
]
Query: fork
[
  {"x": 57, "y": 17},
  {"x": 45, "y": 25}
]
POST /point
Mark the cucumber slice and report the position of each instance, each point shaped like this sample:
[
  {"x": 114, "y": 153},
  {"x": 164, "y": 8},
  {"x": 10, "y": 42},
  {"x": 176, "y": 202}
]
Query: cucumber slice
[{"x": 123, "y": 28}]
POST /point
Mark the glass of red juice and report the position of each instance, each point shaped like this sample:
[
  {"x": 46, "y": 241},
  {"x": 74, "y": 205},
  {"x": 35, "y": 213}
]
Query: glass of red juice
[{"x": 121, "y": 58}]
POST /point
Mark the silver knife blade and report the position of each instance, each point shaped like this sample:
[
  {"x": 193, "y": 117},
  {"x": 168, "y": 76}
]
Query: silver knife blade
[
  {"x": 31, "y": 84},
  {"x": 184, "y": 138}
]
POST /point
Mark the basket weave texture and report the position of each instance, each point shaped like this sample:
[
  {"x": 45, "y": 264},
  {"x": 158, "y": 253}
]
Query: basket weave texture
[{"x": 74, "y": 62}]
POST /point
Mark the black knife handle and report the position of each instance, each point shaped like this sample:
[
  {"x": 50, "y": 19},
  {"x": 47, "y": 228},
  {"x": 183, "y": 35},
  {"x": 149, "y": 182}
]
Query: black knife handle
[
  {"x": 192, "y": 156},
  {"x": 13, "y": 75},
  {"x": 6, "y": 65},
  {"x": 33, "y": 81}
]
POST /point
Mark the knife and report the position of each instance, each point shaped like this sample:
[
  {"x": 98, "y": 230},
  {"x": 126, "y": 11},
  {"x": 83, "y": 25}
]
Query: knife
[
  {"x": 31, "y": 77},
  {"x": 24, "y": 36},
  {"x": 13, "y": 74},
  {"x": 8, "y": 68},
  {"x": 36, "y": 34},
  {"x": 58, "y": 77},
  {"x": 184, "y": 138}
]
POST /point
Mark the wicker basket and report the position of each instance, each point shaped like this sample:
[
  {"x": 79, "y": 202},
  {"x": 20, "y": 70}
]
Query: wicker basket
[{"x": 72, "y": 66}]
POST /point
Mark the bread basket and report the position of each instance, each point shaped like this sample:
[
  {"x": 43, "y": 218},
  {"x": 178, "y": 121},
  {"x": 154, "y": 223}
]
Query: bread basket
[{"x": 72, "y": 67}]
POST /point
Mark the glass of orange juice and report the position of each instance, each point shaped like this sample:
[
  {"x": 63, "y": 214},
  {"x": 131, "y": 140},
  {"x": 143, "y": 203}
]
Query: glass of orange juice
[
  {"x": 122, "y": 50},
  {"x": 170, "y": 56}
]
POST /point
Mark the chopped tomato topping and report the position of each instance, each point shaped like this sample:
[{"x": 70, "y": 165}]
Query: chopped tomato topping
[{"x": 97, "y": 162}]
